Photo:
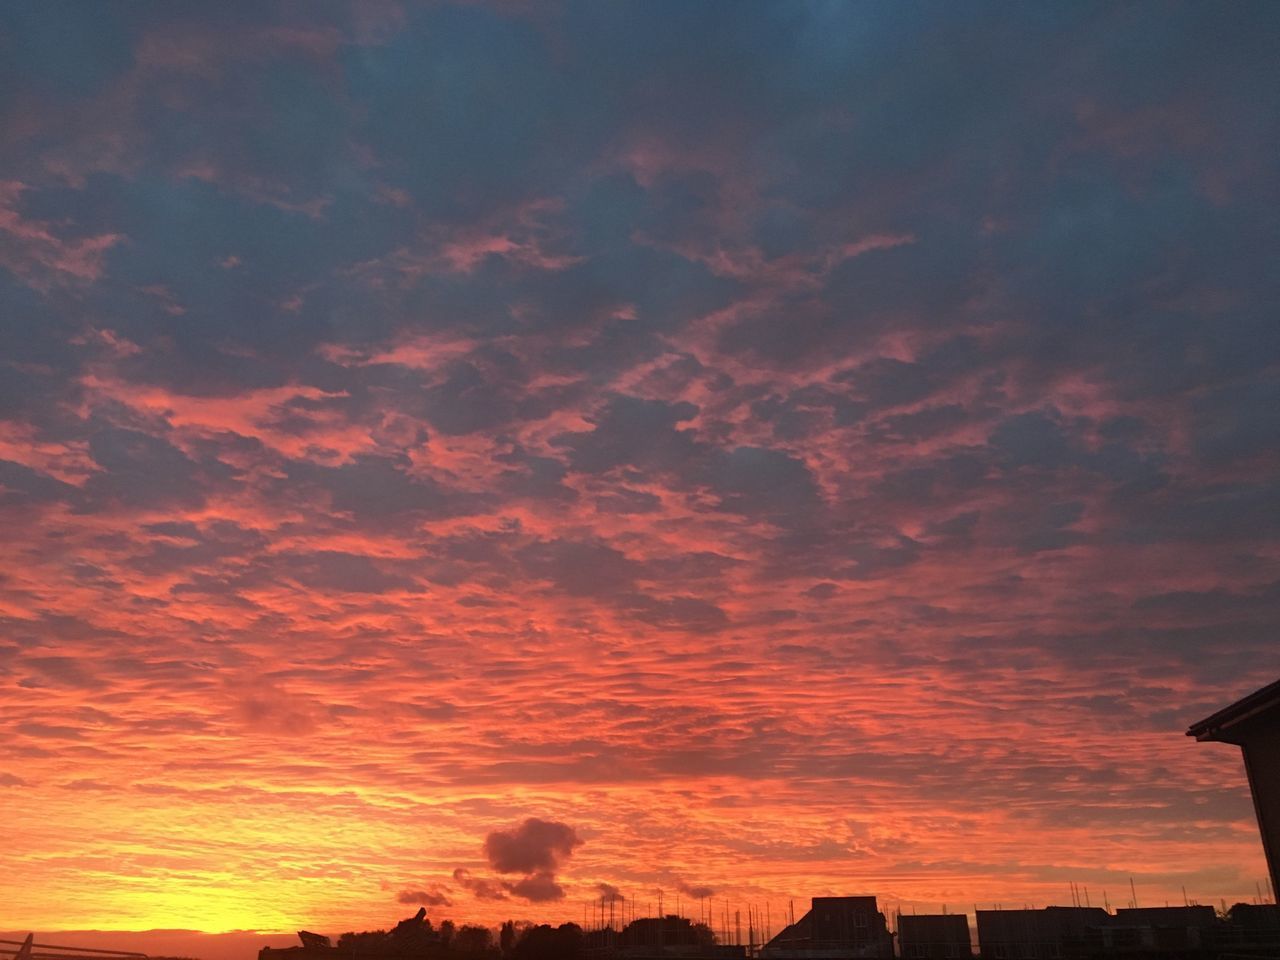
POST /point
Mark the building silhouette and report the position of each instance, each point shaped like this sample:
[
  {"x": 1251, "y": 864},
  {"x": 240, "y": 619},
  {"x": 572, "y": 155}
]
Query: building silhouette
[
  {"x": 1253, "y": 724},
  {"x": 835, "y": 928},
  {"x": 1054, "y": 933},
  {"x": 1161, "y": 930},
  {"x": 1189, "y": 932},
  {"x": 1252, "y": 923},
  {"x": 934, "y": 936}
]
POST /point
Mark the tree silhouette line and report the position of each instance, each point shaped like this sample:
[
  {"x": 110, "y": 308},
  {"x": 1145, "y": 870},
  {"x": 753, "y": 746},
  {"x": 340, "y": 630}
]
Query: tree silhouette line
[{"x": 419, "y": 938}]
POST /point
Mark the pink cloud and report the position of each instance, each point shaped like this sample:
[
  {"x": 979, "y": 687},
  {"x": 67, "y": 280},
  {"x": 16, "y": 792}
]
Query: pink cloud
[{"x": 33, "y": 250}]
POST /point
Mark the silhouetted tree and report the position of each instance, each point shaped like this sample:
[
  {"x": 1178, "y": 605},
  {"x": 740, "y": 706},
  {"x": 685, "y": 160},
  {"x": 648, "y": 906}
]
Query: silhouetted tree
[
  {"x": 366, "y": 941},
  {"x": 410, "y": 938},
  {"x": 545, "y": 942},
  {"x": 507, "y": 938},
  {"x": 473, "y": 939},
  {"x": 669, "y": 931}
]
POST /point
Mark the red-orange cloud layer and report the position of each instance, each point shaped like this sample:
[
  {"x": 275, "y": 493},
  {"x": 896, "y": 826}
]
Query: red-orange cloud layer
[{"x": 775, "y": 451}]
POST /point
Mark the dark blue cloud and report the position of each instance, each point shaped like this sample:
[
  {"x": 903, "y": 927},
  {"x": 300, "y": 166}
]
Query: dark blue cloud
[
  {"x": 380, "y": 489},
  {"x": 139, "y": 469}
]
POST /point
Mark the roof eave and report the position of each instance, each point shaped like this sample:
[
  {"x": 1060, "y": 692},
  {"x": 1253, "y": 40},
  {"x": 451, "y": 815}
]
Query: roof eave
[{"x": 1217, "y": 728}]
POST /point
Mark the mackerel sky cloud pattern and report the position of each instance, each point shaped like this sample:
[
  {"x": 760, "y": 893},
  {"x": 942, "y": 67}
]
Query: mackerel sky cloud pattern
[{"x": 779, "y": 449}]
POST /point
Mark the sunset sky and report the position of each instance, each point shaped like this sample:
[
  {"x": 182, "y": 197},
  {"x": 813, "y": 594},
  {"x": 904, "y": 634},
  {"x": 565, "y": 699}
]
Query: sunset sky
[{"x": 484, "y": 455}]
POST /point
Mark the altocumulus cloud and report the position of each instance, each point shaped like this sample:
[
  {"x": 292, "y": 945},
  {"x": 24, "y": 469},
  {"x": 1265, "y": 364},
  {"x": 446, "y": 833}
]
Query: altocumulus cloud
[
  {"x": 426, "y": 898},
  {"x": 788, "y": 435}
]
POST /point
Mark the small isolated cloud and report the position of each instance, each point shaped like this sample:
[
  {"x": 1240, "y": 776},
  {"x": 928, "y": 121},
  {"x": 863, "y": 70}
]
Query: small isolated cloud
[
  {"x": 538, "y": 887},
  {"x": 697, "y": 892},
  {"x": 609, "y": 893},
  {"x": 535, "y": 846},
  {"x": 480, "y": 888},
  {"x": 433, "y": 897}
]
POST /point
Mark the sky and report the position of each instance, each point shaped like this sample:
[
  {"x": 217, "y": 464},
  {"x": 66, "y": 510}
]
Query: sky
[{"x": 490, "y": 456}]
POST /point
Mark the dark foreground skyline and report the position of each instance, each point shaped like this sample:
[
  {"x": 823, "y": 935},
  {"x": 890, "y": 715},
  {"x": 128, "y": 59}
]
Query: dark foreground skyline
[
  {"x": 840, "y": 927},
  {"x": 773, "y": 449}
]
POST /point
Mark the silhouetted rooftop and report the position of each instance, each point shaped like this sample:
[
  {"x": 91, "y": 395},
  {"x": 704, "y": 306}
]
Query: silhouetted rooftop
[{"x": 1231, "y": 723}]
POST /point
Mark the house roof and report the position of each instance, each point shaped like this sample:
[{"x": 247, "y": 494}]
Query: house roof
[{"x": 1232, "y": 724}]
